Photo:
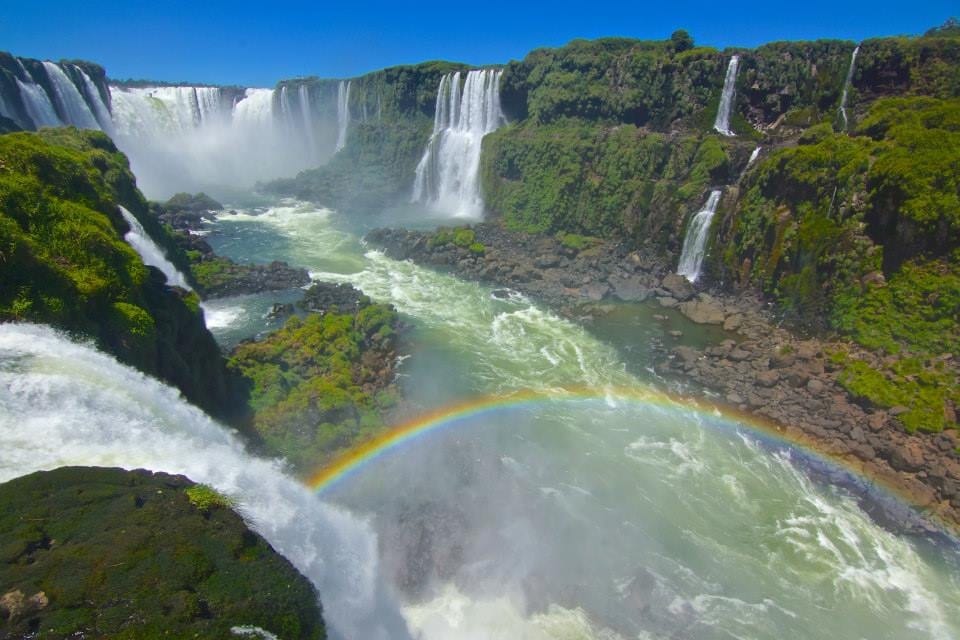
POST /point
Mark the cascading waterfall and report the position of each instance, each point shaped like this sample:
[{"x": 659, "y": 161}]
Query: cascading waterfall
[
  {"x": 63, "y": 403},
  {"x": 306, "y": 115},
  {"x": 152, "y": 255},
  {"x": 722, "y": 122},
  {"x": 753, "y": 157},
  {"x": 38, "y": 104},
  {"x": 447, "y": 176},
  {"x": 343, "y": 113},
  {"x": 695, "y": 242},
  {"x": 846, "y": 87},
  {"x": 92, "y": 95},
  {"x": 73, "y": 107}
]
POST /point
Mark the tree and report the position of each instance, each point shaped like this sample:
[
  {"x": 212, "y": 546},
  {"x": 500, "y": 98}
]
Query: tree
[{"x": 681, "y": 40}]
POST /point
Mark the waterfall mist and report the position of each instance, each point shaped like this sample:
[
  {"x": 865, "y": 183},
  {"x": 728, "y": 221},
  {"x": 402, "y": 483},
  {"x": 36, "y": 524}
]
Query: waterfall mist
[{"x": 210, "y": 138}]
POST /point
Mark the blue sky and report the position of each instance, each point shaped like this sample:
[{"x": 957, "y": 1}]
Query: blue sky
[{"x": 258, "y": 43}]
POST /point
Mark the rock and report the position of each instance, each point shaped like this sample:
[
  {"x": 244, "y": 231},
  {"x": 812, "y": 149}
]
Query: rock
[
  {"x": 326, "y": 296},
  {"x": 675, "y": 333},
  {"x": 898, "y": 410},
  {"x": 678, "y": 286},
  {"x": 667, "y": 302},
  {"x": 703, "y": 310},
  {"x": 815, "y": 386},
  {"x": 908, "y": 457},
  {"x": 768, "y": 378},
  {"x": 689, "y": 355},
  {"x": 629, "y": 289},
  {"x": 733, "y": 322},
  {"x": 595, "y": 291},
  {"x": 734, "y": 398}
]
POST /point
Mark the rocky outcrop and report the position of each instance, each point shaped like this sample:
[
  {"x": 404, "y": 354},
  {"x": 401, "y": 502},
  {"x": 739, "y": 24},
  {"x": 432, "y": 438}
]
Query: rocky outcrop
[{"x": 108, "y": 553}]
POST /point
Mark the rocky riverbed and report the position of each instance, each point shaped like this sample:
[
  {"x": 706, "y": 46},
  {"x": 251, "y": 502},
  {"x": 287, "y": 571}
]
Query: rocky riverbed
[{"x": 763, "y": 368}]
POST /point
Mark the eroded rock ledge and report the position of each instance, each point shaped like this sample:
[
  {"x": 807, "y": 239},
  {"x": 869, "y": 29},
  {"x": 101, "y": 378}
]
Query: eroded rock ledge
[{"x": 764, "y": 368}]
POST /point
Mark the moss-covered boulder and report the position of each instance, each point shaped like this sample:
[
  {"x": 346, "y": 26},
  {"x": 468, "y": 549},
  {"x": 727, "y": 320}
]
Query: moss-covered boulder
[
  {"x": 64, "y": 261},
  {"x": 107, "y": 553},
  {"x": 322, "y": 383}
]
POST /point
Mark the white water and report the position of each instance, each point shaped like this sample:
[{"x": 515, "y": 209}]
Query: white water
[
  {"x": 447, "y": 177},
  {"x": 38, "y": 104},
  {"x": 846, "y": 86},
  {"x": 73, "y": 106},
  {"x": 63, "y": 403},
  {"x": 343, "y": 113},
  {"x": 100, "y": 110},
  {"x": 152, "y": 255},
  {"x": 722, "y": 121},
  {"x": 753, "y": 157},
  {"x": 695, "y": 241},
  {"x": 196, "y": 138}
]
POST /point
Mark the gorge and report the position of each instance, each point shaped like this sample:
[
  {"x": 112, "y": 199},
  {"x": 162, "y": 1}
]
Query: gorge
[{"x": 663, "y": 384}]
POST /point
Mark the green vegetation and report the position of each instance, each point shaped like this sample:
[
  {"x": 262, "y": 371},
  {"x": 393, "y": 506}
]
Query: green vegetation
[
  {"x": 319, "y": 385},
  {"x": 107, "y": 553},
  {"x": 588, "y": 179},
  {"x": 206, "y": 498},
  {"x": 63, "y": 261}
]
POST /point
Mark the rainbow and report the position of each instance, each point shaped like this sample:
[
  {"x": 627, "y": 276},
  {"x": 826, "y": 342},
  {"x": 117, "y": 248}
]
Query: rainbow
[{"x": 466, "y": 413}]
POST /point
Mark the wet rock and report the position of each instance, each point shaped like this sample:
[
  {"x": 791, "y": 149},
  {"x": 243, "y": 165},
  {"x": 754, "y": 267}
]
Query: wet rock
[
  {"x": 703, "y": 310},
  {"x": 768, "y": 378},
  {"x": 815, "y": 386},
  {"x": 908, "y": 457},
  {"x": 629, "y": 289},
  {"x": 327, "y": 296},
  {"x": 677, "y": 286},
  {"x": 667, "y": 302},
  {"x": 595, "y": 291},
  {"x": 733, "y": 322}
]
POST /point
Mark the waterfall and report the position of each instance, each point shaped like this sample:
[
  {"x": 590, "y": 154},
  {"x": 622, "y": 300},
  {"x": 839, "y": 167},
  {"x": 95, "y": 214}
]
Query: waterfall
[
  {"x": 63, "y": 403},
  {"x": 846, "y": 86},
  {"x": 72, "y": 105},
  {"x": 207, "y": 138},
  {"x": 753, "y": 157},
  {"x": 151, "y": 254},
  {"x": 447, "y": 175},
  {"x": 305, "y": 114},
  {"x": 722, "y": 122},
  {"x": 695, "y": 242},
  {"x": 343, "y": 113},
  {"x": 100, "y": 110},
  {"x": 38, "y": 104}
]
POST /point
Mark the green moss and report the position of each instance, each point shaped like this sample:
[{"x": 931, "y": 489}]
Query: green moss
[
  {"x": 922, "y": 388},
  {"x": 317, "y": 385},
  {"x": 206, "y": 498},
  {"x": 477, "y": 248},
  {"x": 127, "y": 554}
]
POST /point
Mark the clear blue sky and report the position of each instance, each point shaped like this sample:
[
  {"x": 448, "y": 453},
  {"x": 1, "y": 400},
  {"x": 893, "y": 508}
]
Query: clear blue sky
[{"x": 258, "y": 43}]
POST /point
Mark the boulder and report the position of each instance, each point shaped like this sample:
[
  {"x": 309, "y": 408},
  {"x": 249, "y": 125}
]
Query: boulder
[
  {"x": 678, "y": 286},
  {"x": 703, "y": 310}
]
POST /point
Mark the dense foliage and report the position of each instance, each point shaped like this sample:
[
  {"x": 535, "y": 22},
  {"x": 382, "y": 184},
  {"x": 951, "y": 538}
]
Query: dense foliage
[
  {"x": 107, "y": 553},
  {"x": 63, "y": 261},
  {"x": 601, "y": 181},
  {"x": 319, "y": 384}
]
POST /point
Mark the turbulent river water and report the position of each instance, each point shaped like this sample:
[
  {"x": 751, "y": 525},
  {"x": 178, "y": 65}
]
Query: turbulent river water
[{"x": 590, "y": 515}]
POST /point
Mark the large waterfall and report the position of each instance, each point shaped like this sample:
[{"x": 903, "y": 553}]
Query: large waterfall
[
  {"x": 151, "y": 254},
  {"x": 846, "y": 87},
  {"x": 447, "y": 176},
  {"x": 695, "y": 242},
  {"x": 195, "y": 138},
  {"x": 63, "y": 403},
  {"x": 722, "y": 121},
  {"x": 343, "y": 113}
]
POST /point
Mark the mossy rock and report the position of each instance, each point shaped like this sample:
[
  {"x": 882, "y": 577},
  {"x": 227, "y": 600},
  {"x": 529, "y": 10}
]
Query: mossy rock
[{"x": 107, "y": 553}]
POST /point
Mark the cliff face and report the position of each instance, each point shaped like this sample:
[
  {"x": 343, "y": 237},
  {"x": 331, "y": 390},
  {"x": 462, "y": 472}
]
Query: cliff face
[
  {"x": 92, "y": 552},
  {"x": 65, "y": 262}
]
